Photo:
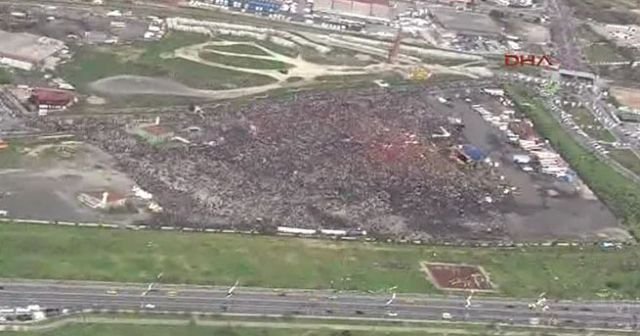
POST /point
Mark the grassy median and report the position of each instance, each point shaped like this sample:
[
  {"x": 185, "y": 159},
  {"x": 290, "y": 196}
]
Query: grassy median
[
  {"x": 38, "y": 251},
  {"x": 164, "y": 330},
  {"x": 328, "y": 330}
]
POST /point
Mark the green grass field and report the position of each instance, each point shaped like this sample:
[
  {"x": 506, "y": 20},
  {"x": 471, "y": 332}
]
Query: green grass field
[
  {"x": 603, "y": 52},
  {"x": 113, "y": 329},
  {"x": 626, "y": 158},
  {"x": 618, "y": 193},
  {"x": 590, "y": 125},
  {"x": 147, "y": 59},
  {"x": 244, "y": 62},
  {"x": 33, "y": 251},
  {"x": 10, "y": 157},
  {"x": 340, "y": 56},
  {"x": 238, "y": 49},
  {"x": 192, "y": 330},
  {"x": 6, "y": 77}
]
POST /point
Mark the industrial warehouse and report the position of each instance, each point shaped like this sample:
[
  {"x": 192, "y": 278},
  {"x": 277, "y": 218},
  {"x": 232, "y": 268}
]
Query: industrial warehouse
[
  {"x": 27, "y": 51},
  {"x": 381, "y": 9}
]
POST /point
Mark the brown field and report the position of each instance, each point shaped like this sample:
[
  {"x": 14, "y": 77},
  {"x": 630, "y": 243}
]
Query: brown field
[
  {"x": 627, "y": 96},
  {"x": 457, "y": 276}
]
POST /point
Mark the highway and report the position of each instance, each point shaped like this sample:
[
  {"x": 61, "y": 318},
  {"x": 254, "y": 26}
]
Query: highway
[{"x": 112, "y": 297}]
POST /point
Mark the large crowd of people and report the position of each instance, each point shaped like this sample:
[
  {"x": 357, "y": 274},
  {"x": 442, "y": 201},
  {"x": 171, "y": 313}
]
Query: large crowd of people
[{"x": 356, "y": 159}]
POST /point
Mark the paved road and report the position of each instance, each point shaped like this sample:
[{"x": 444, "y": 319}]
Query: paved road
[
  {"x": 184, "y": 299},
  {"x": 564, "y": 36}
]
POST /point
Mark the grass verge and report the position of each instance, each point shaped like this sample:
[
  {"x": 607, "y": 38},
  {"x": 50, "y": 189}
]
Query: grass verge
[
  {"x": 191, "y": 329},
  {"x": 37, "y": 251},
  {"x": 603, "y": 52},
  {"x": 6, "y": 77},
  {"x": 591, "y": 126},
  {"x": 627, "y": 159},
  {"x": 11, "y": 157},
  {"x": 617, "y": 192},
  {"x": 98, "y": 325}
]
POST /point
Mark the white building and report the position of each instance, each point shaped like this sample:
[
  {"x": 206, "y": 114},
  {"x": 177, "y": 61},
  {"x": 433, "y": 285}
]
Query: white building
[
  {"x": 102, "y": 200},
  {"x": 27, "y": 51}
]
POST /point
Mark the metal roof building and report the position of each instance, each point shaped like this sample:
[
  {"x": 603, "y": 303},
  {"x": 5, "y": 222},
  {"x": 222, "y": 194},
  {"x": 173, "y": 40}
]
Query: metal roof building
[{"x": 380, "y": 9}]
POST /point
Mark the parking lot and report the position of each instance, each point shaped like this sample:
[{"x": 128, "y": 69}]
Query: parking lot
[{"x": 543, "y": 207}]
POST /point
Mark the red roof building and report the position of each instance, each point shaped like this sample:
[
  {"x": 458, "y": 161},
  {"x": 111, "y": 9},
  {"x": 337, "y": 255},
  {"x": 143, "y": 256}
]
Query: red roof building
[{"x": 52, "y": 97}]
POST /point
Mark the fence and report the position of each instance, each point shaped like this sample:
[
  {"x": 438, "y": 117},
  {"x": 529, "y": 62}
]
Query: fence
[{"x": 317, "y": 235}]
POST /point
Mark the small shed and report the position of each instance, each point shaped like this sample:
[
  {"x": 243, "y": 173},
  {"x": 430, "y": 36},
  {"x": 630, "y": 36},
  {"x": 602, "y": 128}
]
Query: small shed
[
  {"x": 473, "y": 153},
  {"x": 521, "y": 159}
]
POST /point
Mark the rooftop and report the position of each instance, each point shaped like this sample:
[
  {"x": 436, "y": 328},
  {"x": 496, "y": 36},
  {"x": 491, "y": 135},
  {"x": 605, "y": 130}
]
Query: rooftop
[
  {"x": 461, "y": 21},
  {"x": 46, "y": 94},
  {"x": 28, "y": 47},
  {"x": 156, "y": 130},
  {"x": 112, "y": 196},
  {"x": 374, "y": 2}
]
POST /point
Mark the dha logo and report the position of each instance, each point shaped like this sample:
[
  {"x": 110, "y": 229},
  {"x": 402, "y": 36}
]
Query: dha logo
[{"x": 520, "y": 60}]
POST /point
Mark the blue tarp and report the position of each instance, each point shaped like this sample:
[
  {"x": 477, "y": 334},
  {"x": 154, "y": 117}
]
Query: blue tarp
[
  {"x": 474, "y": 153},
  {"x": 569, "y": 176}
]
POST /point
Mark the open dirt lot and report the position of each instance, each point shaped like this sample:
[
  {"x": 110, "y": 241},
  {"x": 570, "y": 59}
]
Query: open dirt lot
[
  {"x": 45, "y": 187},
  {"x": 627, "y": 96}
]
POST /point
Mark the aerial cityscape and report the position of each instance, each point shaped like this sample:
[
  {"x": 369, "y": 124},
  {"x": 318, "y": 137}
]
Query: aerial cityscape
[{"x": 319, "y": 167}]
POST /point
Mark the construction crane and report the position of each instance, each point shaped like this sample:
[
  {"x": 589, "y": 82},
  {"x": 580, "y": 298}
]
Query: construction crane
[{"x": 395, "y": 48}]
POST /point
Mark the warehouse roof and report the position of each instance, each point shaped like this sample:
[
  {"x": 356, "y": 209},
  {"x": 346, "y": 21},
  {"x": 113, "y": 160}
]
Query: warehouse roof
[
  {"x": 375, "y": 2},
  {"x": 465, "y": 22},
  {"x": 52, "y": 96},
  {"x": 28, "y": 47}
]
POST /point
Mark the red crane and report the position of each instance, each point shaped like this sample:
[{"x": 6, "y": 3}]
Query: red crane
[{"x": 395, "y": 48}]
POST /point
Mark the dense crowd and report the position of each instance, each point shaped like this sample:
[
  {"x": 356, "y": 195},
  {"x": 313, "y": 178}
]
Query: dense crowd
[{"x": 331, "y": 160}]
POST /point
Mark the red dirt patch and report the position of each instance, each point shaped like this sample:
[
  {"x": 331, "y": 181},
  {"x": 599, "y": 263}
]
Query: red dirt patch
[{"x": 457, "y": 276}]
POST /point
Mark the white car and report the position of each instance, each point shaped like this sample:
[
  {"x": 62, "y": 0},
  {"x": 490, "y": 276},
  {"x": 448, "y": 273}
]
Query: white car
[
  {"x": 392, "y": 314},
  {"x": 149, "y": 306},
  {"x": 446, "y": 316}
]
